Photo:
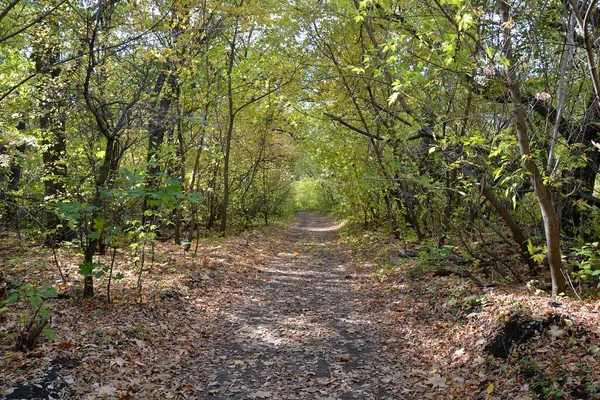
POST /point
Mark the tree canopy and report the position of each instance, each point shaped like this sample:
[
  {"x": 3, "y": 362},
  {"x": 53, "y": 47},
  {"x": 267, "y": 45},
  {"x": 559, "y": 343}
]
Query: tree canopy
[
  {"x": 450, "y": 121},
  {"x": 457, "y": 142}
]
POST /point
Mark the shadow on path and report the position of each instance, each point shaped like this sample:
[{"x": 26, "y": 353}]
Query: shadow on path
[{"x": 305, "y": 333}]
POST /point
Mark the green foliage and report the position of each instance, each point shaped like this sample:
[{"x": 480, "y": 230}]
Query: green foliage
[
  {"x": 34, "y": 295},
  {"x": 34, "y": 321},
  {"x": 585, "y": 269},
  {"x": 91, "y": 269},
  {"x": 538, "y": 253},
  {"x": 430, "y": 255},
  {"x": 309, "y": 194},
  {"x": 393, "y": 115}
]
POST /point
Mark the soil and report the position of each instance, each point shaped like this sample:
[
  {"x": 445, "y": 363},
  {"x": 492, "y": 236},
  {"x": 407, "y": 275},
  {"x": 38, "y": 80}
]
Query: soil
[
  {"x": 304, "y": 332},
  {"x": 296, "y": 312}
]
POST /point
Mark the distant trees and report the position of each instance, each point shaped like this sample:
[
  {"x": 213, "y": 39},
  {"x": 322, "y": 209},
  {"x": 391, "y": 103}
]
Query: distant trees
[
  {"x": 458, "y": 111},
  {"x": 451, "y": 121},
  {"x": 125, "y": 105}
]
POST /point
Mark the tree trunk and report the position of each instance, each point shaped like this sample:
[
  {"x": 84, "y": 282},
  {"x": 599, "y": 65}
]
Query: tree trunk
[
  {"x": 515, "y": 229},
  {"x": 549, "y": 216},
  {"x": 157, "y": 128},
  {"x": 573, "y": 217},
  {"x": 179, "y": 167},
  {"x": 229, "y": 133},
  {"x": 11, "y": 210},
  {"x": 52, "y": 125}
]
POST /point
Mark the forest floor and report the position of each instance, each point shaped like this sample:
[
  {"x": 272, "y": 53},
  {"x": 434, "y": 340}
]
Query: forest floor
[{"x": 297, "y": 312}]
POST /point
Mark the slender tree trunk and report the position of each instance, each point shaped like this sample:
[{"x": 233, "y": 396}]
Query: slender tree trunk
[
  {"x": 229, "y": 133},
  {"x": 549, "y": 216},
  {"x": 194, "y": 206},
  {"x": 52, "y": 125},
  {"x": 15, "y": 168},
  {"x": 95, "y": 241},
  {"x": 157, "y": 129},
  {"x": 108, "y": 126},
  {"x": 583, "y": 21},
  {"x": 14, "y": 179},
  {"x": 213, "y": 199},
  {"x": 265, "y": 195},
  {"x": 515, "y": 229},
  {"x": 180, "y": 166}
]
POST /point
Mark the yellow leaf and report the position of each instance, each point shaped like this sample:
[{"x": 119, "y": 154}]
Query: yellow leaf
[{"x": 490, "y": 388}]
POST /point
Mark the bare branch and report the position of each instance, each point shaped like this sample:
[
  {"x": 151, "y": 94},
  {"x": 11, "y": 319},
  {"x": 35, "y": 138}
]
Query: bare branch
[{"x": 352, "y": 127}]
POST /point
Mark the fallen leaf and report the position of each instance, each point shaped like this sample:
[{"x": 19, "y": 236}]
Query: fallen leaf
[
  {"x": 112, "y": 331},
  {"x": 555, "y": 331},
  {"x": 261, "y": 394},
  {"x": 106, "y": 390},
  {"x": 117, "y": 361},
  {"x": 479, "y": 361},
  {"x": 436, "y": 381},
  {"x": 490, "y": 388}
]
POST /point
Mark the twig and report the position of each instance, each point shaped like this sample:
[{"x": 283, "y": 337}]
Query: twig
[
  {"x": 110, "y": 272},
  {"x": 568, "y": 279},
  {"x": 139, "y": 278}
]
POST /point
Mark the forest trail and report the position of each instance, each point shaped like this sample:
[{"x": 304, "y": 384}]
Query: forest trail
[
  {"x": 298, "y": 312},
  {"x": 305, "y": 332}
]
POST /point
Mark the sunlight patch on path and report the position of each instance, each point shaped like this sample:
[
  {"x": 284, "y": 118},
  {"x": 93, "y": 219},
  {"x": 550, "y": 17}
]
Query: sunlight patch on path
[
  {"x": 329, "y": 228},
  {"x": 306, "y": 332}
]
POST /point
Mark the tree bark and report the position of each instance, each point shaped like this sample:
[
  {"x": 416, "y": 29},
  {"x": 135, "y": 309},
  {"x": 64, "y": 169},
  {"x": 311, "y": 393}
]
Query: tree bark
[
  {"x": 549, "y": 216},
  {"x": 515, "y": 229},
  {"x": 157, "y": 129},
  {"x": 229, "y": 133},
  {"x": 52, "y": 125}
]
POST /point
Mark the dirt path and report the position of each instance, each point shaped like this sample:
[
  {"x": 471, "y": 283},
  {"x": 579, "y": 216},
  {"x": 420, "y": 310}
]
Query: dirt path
[
  {"x": 286, "y": 313},
  {"x": 304, "y": 332}
]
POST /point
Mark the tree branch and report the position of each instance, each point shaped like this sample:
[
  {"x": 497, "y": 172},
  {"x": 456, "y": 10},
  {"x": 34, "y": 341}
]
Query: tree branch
[
  {"x": 8, "y": 8},
  {"x": 352, "y": 127},
  {"x": 29, "y": 25}
]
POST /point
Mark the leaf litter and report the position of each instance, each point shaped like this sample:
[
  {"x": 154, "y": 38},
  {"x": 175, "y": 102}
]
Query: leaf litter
[{"x": 299, "y": 313}]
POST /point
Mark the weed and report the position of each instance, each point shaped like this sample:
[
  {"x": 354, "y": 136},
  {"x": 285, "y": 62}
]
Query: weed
[{"x": 34, "y": 322}]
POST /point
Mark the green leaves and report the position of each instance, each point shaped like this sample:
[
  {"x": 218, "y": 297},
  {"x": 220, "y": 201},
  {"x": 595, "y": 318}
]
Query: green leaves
[
  {"x": 96, "y": 270},
  {"x": 39, "y": 311},
  {"x": 537, "y": 253},
  {"x": 586, "y": 266},
  {"x": 86, "y": 269},
  {"x": 134, "y": 179},
  {"x": 33, "y": 293},
  {"x": 465, "y": 21}
]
